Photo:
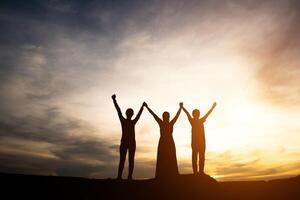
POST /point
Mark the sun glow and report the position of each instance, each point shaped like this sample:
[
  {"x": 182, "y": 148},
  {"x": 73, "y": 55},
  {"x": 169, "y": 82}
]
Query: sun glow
[{"x": 244, "y": 113}]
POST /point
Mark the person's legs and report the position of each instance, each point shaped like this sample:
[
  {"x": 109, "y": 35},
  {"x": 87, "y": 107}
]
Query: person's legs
[
  {"x": 194, "y": 160},
  {"x": 123, "y": 151},
  {"x": 131, "y": 160},
  {"x": 201, "y": 161}
]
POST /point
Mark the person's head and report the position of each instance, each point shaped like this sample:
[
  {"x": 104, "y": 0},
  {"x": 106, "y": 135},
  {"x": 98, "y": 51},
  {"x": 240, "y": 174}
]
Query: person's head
[
  {"x": 166, "y": 116},
  {"x": 129, "y": 113},
  {"x": 196, "y": 113}
]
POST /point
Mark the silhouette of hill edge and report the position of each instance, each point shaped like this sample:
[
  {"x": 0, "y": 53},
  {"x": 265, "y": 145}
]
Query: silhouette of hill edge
[{"x": 182, "y": 187}]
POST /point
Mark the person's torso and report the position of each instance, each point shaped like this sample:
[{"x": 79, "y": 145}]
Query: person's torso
[
  {"x": 128, "y": 132},
  {"x": 198, "y": 133},
  {"x": 166, "y": 130}
]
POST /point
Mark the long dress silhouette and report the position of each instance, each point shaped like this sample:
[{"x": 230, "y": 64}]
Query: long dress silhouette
[{"x": 166, "y": 164}]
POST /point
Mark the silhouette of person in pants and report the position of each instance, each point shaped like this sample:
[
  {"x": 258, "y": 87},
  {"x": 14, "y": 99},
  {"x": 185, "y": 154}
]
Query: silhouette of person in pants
[
  {"x": 198, "y": 138},
  {"x": 128, "y": 137}
]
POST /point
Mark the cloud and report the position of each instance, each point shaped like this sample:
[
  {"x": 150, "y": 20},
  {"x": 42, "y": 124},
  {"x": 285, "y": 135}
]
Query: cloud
[
  {"x": 53, "y": 144},
  {"x": 251, "y": 165},
  {"x": 54, "y": 57},
  {"x": 52, "y": 53},
  {"x": 275, "y": 53}
]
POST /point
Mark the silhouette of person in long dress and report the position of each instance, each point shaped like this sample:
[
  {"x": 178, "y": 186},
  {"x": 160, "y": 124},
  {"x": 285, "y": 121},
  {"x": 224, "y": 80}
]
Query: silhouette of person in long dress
[
  {"x": 166, "y": 164},
  {"x": 128, "y": 137},
  {"x": 198, "y": 138}
]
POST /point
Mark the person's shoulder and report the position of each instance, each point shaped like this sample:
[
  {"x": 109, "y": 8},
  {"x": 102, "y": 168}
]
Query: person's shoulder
[
  {"x": 194, "y": 121},
  {"x": 123, "y": 119}
]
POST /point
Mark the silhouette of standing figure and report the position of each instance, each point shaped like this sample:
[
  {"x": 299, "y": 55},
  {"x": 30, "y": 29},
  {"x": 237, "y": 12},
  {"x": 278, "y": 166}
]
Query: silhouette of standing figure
[
  {"x": 198, "y": 138},
  {"x": 166, "y": 164},
  {"x": 128, "y": 137}
]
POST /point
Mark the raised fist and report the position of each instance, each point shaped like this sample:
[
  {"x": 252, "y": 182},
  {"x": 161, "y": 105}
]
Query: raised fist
[
  {"x": 113, "y": 96},
  {"x": 214, "y": 104}
]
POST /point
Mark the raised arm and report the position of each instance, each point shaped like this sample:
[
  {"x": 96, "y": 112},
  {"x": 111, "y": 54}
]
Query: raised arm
[
  {"x": 187, "y": 114},
  {"x": 177, "y": 114},
  {"x": 153, "y": 114},
  {"x": 210, "y": 110},
  {"x": 139, "y": 114},
  {"x": 117, "y": 107}
]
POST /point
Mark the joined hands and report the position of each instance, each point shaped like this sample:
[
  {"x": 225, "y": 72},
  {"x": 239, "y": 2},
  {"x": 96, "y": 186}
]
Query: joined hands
[{"x": 145, "y": 104}]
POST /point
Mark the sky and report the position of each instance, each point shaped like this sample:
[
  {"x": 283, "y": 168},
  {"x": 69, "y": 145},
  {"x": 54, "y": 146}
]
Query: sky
[{"x": 60, "y": 62}]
